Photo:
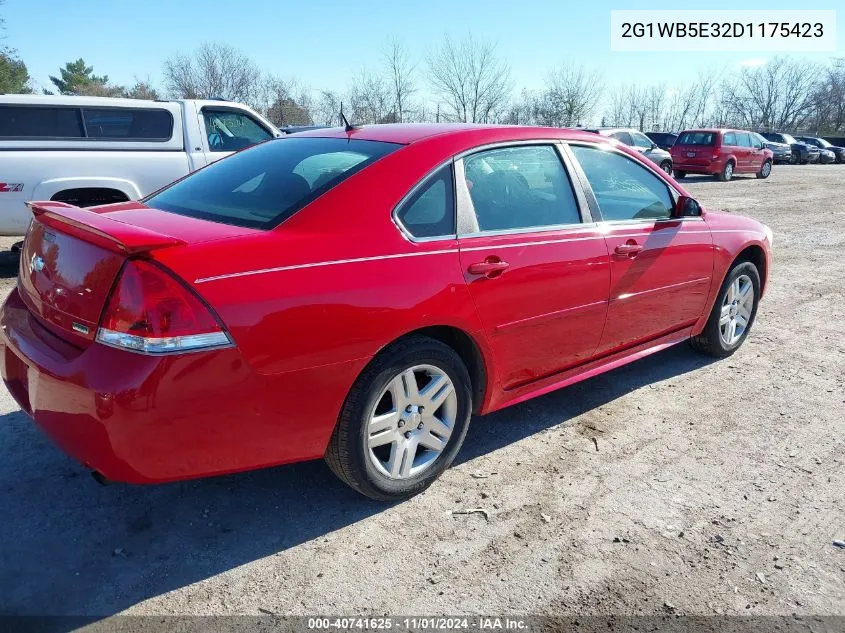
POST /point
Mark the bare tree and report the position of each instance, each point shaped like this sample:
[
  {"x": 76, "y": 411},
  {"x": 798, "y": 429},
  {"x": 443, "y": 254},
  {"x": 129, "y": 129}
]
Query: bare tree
[
  {"x": 370, "y": 100},
  {"x": 214, "y": 70},
  {"x": 777, "y": 95},
  {"x": 470, "y": 79},
  {"x": 142, "y": 89},
  {"x": 287, "y": 102},
  {"x": 829, "y": 100},
  {"x": 571, "y": 97},
  {"x": 326, "y": 109},
  {"x": 400, "y": 78}
]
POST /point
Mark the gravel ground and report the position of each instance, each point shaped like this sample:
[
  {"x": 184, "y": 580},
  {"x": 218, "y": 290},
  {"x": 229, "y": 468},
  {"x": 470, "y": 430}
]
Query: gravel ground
[{"x": 675, "y": 484}]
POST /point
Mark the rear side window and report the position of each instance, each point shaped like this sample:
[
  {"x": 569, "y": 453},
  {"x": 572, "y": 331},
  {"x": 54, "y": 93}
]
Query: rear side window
[
  {"x": 30, "y": 122},
  {"x": 430, "y": 211},
  {"x": 266, "y": 184},
  {"x": 730, "y": 139},
  {"x": 519, "y": 188},
  {"x": 128, "y": 123},
  {"x": 623, "y": 137},
  {"x": 744, "y": 139},
  {"x": 696, "y": 138}
]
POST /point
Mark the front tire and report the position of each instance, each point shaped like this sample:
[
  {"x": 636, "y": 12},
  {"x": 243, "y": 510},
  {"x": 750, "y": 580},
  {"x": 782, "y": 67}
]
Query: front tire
[
  {"x": 727, "y": 172},
  {"x": 666, "y": 166},
  {"x": 765, "y": 169},
  {"x": 404, "y": 420},
  {"x": 679, "y": 173},
  {"x": 733, "y": 313}
]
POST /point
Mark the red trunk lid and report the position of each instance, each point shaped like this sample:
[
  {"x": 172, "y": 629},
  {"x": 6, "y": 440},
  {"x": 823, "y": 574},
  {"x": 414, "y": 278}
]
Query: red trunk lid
[{"x": 71, "y": 258}]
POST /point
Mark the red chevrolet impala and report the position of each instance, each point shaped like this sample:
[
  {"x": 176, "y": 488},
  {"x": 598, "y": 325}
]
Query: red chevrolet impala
[{"x": 356, "y": 294}]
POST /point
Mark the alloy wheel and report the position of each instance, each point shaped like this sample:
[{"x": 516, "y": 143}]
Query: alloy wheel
[
  {"x": 767, "y": 169},
  {"x": 737, "y": 307},
  {"x": 411, "y": 422}
]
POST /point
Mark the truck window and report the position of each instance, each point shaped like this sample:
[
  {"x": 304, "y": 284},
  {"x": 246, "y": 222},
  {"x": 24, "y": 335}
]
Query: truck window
[
  {"x": 128, "y": 124},
  {"x": 229, "y": 131},
  {"x": 31, "y": 122}
]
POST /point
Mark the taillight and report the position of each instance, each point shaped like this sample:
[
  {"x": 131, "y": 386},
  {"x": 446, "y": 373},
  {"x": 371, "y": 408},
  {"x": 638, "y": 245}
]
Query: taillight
[{"x": 151, "y": 312}]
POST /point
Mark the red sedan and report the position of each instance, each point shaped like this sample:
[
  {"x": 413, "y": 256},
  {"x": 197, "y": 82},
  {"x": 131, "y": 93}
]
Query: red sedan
[{"x": 357, "y": 295}]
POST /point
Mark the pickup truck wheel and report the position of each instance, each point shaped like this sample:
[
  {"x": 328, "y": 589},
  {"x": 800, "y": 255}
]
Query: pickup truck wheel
[
  {"x": 733, "y": 312},
  {"x": 403, "y": 421},
  {"x": 765, "y": 169},
  {"x": 727, "y": 172}
]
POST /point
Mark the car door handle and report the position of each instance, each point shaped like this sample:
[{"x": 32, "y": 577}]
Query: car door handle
[
  {"x": 629, "y": 249},
  {"x": 491, "y": 267}
]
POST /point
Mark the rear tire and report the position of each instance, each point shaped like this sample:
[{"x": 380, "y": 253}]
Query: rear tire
[
  {"x": 765, "y": 169},
  {"x": 679, "y": 173},
  {"x": 383, "y": 406},
  {"x": 666, "y": 166},
  {"x": 727, "y": 172},
  {"x": 731, "y": 306}
]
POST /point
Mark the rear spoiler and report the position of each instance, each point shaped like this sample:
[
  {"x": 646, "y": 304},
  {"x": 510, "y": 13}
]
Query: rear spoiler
[{"x": 117, "y": 236}]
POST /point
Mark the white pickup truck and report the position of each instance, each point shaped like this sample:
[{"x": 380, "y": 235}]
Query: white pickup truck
[{"x": 96, "y": 150}]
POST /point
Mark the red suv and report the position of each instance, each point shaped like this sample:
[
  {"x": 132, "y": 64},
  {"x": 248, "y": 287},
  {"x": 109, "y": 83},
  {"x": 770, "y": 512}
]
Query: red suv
[{"x": 721, "y": 153}]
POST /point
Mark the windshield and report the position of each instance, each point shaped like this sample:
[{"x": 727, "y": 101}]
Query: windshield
[
  {"x": 263, "y": 186},
  {"x": 696, "y": 138}
]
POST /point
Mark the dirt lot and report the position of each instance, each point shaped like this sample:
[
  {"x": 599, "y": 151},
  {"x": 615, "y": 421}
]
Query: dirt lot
[{"x": 717, "y": 487}]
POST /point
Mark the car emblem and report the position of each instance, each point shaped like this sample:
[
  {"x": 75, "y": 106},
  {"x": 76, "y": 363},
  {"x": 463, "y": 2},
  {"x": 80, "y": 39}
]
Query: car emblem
[{"x": 36, "y": 264}]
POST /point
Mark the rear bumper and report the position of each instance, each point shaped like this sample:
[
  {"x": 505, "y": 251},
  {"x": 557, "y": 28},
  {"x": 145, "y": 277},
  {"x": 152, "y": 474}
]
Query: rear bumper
[
  {"x": 146, "y": 419},
  {"x": 710, "y": 168}
]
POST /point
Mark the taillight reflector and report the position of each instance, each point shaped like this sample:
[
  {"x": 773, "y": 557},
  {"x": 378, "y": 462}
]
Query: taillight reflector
[{"x": 149, "y": 311}]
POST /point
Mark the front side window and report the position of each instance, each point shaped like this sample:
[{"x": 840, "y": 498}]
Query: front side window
[
  {"x": 788, "y": 139},
  {"x": 230, "y": 131},
  {"x": 265, "y": 185},
  {"x": 696, "y": 138},
  {"x": 624, "y": 189},
  {"x": 641, "y": 140},
  {"x": 430, "y": 211},
  {"x": 31, "y": 122},
  {"x": 519, "y": 188},
  {"x": 730, "y": 138},
  {"x": 744, "y": 139}
]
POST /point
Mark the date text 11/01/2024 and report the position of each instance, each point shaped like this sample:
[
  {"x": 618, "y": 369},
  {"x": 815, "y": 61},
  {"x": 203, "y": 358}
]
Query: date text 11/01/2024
[{"x": 722, "y": 29}]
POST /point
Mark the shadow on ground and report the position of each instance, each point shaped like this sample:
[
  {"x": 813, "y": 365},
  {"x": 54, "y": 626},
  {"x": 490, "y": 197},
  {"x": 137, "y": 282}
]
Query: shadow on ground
[
  {"x": 69, "y": 546},
  {"x": 9, "y": 264}
]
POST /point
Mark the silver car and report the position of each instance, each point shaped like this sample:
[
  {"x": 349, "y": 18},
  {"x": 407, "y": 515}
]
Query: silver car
[{"x": 641, "y": 143}]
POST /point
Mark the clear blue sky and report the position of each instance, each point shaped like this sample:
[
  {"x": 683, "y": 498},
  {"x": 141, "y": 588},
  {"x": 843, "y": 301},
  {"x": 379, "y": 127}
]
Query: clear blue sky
[{"x": 323, "y": 43}]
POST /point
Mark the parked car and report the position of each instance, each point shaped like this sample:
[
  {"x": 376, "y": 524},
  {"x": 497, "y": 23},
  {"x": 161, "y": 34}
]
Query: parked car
[
  {"x": 357, "y": 295},
  {"x": 839, "y": 141},
  {"x": 781, "y": 152},
  {"x": 641, "y": 143},
  {"x": 838, "y": 152},
  {"x": 721, "y": 153},
  {"x": 663, "y": 140},
  {"x": 802, "y": 153},
  {"x": 88, "y": 151}
]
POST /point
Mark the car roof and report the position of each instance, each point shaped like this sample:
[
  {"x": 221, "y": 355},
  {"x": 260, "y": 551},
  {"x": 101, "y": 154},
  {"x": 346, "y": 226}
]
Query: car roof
[
  {"x": 407, "y": 133},
  {"x": 80, "y": 101}
]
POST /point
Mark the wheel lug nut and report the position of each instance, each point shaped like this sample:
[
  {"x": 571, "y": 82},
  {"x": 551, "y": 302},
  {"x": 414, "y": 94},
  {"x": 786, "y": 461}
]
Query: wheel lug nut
[
  {"x": 401, "y": 422},
  {"x": 407, "y": 435},
  {"x": 420, "y": 426}
]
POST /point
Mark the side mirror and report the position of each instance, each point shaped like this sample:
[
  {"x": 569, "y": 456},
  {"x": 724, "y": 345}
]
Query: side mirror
[
  {"x": 653, "y": 146},
  {"x": 686, "y": 207}
]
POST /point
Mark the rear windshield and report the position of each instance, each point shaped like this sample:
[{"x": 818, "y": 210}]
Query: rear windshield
[
  {"x": 696, "y": 138},
  {"x": 263, "y": 186}
]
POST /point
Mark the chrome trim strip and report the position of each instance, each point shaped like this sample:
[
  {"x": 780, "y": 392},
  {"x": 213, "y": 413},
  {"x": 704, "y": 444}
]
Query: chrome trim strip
[
  {"x": 622, "y": 297},
  {"x": 354, "y": 260}
]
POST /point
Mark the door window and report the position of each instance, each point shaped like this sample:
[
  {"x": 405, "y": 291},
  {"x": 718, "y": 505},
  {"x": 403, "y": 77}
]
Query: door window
[
  {"x": 744, "y": 139},
  {"x": 641, "y": 140},
  {"x": 623, "y": 137},
  {"x": 730, "y": 139},
  {"x": 430, "y": 211},
  {"x": 229, "y": 131},
  {"x": 520, "y": 187},
  {"x": 624, "y": 189}
]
